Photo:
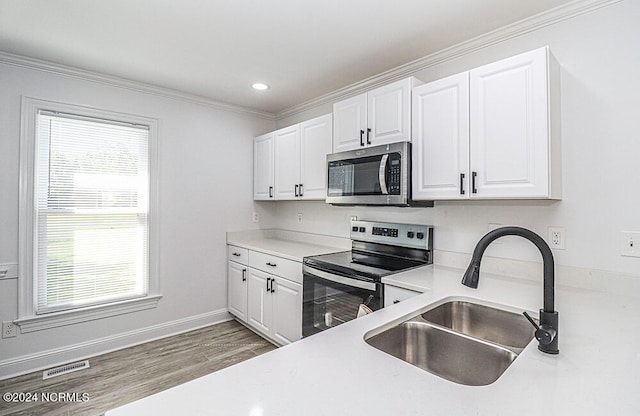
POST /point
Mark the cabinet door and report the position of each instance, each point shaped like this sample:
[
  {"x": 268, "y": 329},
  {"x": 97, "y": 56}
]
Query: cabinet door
[
  {"x": 315, "y": 144},
  {"x": 394, "y": 294},
  {"x": 349, "y": 123},
  {"x": 287, "y": 311},
  {"x": 509, "y": 127},
  {"x": 287, "y": 162},
  {"x": 237, "y": 290},
  {"x": 389, "y": 113},
  {"x": 263, "y": 167},
  {"x": 259, "y": 301},
  {"x": 440, "y": 153}
]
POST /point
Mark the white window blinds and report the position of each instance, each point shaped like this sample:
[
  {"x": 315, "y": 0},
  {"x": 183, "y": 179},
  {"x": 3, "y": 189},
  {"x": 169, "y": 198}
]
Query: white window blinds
[{"x": 91, "y": 212}]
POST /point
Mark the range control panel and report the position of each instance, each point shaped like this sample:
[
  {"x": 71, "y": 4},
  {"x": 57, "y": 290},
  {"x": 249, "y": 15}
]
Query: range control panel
[
  {"x": 384, "y": 231},
  {"x": 405, "y": 235}
]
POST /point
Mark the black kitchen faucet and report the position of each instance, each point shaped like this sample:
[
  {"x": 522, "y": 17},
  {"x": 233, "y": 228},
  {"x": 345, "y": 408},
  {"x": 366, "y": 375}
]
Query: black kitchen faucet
[{"x": 547, "y": 332}]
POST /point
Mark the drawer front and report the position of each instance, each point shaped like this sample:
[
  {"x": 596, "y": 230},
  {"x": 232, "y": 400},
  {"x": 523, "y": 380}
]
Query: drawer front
[
  {"x": 289, "y": 269},
  {"x": 394, "y": 294},
  {"x": 238, "y": 254}
]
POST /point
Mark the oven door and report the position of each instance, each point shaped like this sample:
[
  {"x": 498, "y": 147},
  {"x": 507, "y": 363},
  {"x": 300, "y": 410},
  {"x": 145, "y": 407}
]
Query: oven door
[
  {"x": 372, "y": 176},
  {"x": 330, "y": 299}
]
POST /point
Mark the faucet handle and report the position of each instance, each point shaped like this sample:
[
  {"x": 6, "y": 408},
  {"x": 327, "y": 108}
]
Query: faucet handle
[
  {"x": 545, "y": 334},
  {"x": 530, "y": 319}
]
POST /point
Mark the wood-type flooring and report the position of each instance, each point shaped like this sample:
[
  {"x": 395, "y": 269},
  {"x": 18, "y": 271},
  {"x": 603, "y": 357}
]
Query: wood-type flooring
[{"x": 126, "y": 375}]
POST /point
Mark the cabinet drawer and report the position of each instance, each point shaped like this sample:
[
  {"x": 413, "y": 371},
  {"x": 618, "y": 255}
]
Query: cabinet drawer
[
  {"x": 394, "y": 294},
  {"x": 238, "y": 254},
  {"x": 279, "y": 266}
]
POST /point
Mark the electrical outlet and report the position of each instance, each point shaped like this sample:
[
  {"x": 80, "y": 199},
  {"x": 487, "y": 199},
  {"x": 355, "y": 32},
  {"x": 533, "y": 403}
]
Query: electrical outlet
[
  {"x": 9, "y": 329},
  {"x": 299, "y": 217},
  {"x": 630, "y": 244},
  {"x": 556, "y": 238},
  {"x": 256, "y": 217},
  {"x": 354, "y": 218}
]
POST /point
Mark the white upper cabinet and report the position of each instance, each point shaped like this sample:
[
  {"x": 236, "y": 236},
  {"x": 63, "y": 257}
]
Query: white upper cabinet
[
  {"x": 287, "y": 162},
  {"x": 263, "y": 167},
  {"x": 389, "y": 113},
  {"x": 349, "y": 123},
  {"x": 315, "y": 144},
  {"x": 512, "y": 147},
  {"x": 440, "y": 154},
  {"x": 291, "y": 163},
  {"x": 300, "y": 159},
  {"x": 374, "y": 118},
  {"x": 489, "y": 133}
]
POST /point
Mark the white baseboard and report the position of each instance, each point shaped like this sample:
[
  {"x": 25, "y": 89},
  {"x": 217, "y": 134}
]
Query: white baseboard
[{"x": 51, "y": 358}]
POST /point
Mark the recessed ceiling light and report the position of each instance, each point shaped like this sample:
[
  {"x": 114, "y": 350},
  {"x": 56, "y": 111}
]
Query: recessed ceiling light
[{"x": 260, "y": 86}]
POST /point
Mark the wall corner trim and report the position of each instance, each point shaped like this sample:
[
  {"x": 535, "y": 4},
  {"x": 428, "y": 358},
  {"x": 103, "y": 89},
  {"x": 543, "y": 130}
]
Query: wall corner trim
[
  {"x": 530, "y": 24},
  {"x": 59, "y": 69}
]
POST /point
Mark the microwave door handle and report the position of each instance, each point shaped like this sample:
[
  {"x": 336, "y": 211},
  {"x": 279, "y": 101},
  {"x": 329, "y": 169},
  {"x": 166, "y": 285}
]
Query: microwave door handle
[{"x": 382, "y": 174}]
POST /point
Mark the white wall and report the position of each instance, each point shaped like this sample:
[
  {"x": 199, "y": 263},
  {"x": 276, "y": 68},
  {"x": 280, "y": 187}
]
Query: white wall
[
  {"x": 600, "y": 60},
  {"x": 205, "y": 190},
  {"x": 202, "y": 196}
]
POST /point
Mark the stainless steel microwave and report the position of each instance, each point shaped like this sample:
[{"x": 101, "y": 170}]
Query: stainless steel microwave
[{"x": 377, "y": 175}]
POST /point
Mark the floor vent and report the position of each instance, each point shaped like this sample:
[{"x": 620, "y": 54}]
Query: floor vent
[{"x": 69, "y": 368}]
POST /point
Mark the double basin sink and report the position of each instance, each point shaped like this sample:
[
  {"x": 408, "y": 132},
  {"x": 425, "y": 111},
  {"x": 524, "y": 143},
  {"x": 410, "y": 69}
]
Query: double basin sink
[{"x": 461, "y": 341}]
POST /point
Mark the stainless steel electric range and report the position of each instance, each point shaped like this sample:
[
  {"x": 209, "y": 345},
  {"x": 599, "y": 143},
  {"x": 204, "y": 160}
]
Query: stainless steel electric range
[{"x": 336, "y": 284}]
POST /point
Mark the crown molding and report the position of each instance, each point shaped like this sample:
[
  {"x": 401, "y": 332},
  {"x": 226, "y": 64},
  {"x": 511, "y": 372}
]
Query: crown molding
[
  {"x": 59, "y": 69},
  {"x": 539, "y": 21}
]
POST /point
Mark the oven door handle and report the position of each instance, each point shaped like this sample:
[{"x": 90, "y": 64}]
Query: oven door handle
[
  {"x": 382, "y": 174},
  {"x": 338, "y": 279}
]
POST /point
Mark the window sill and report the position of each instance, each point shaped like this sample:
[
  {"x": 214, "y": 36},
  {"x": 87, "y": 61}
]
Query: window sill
[{"x": 53, "y": 320}]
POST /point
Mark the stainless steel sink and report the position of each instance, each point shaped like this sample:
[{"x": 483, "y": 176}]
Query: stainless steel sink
[
  {"x": 490, "y": 324},
  {"x": 460, "y": 341}
]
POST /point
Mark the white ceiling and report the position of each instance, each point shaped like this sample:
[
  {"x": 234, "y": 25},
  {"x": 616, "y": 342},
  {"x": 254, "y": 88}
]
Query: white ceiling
[{"x": 218, "y": 48}]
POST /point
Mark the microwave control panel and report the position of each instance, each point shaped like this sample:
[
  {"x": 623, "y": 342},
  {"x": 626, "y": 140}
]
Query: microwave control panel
[{"x": 395, "y": 173}]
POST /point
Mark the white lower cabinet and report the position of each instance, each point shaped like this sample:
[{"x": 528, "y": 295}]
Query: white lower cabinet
[
  {"x": 237, "y": 266},
  {"x": 267, "y": 302},
  {"x": 237, "y": 293},
  {"x": 274, "y": 306},
  {"x": 394, "y": 294},
  {"x": 259, "y": 301},
  {"x": 286, "y": 311}
]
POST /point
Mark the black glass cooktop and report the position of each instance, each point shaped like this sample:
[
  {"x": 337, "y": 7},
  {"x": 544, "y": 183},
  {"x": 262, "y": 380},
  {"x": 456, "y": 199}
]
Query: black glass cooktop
[{"x": 361, "y": 265}]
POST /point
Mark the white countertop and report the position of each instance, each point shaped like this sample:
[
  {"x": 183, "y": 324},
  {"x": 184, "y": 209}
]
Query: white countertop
[
  {"x": 288, "y": 244},
  {"x": 337, "y": 373}
]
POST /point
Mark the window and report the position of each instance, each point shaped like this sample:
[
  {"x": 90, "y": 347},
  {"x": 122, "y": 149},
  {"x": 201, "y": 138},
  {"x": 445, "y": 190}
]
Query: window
[{"x": 87, "y": 212}]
